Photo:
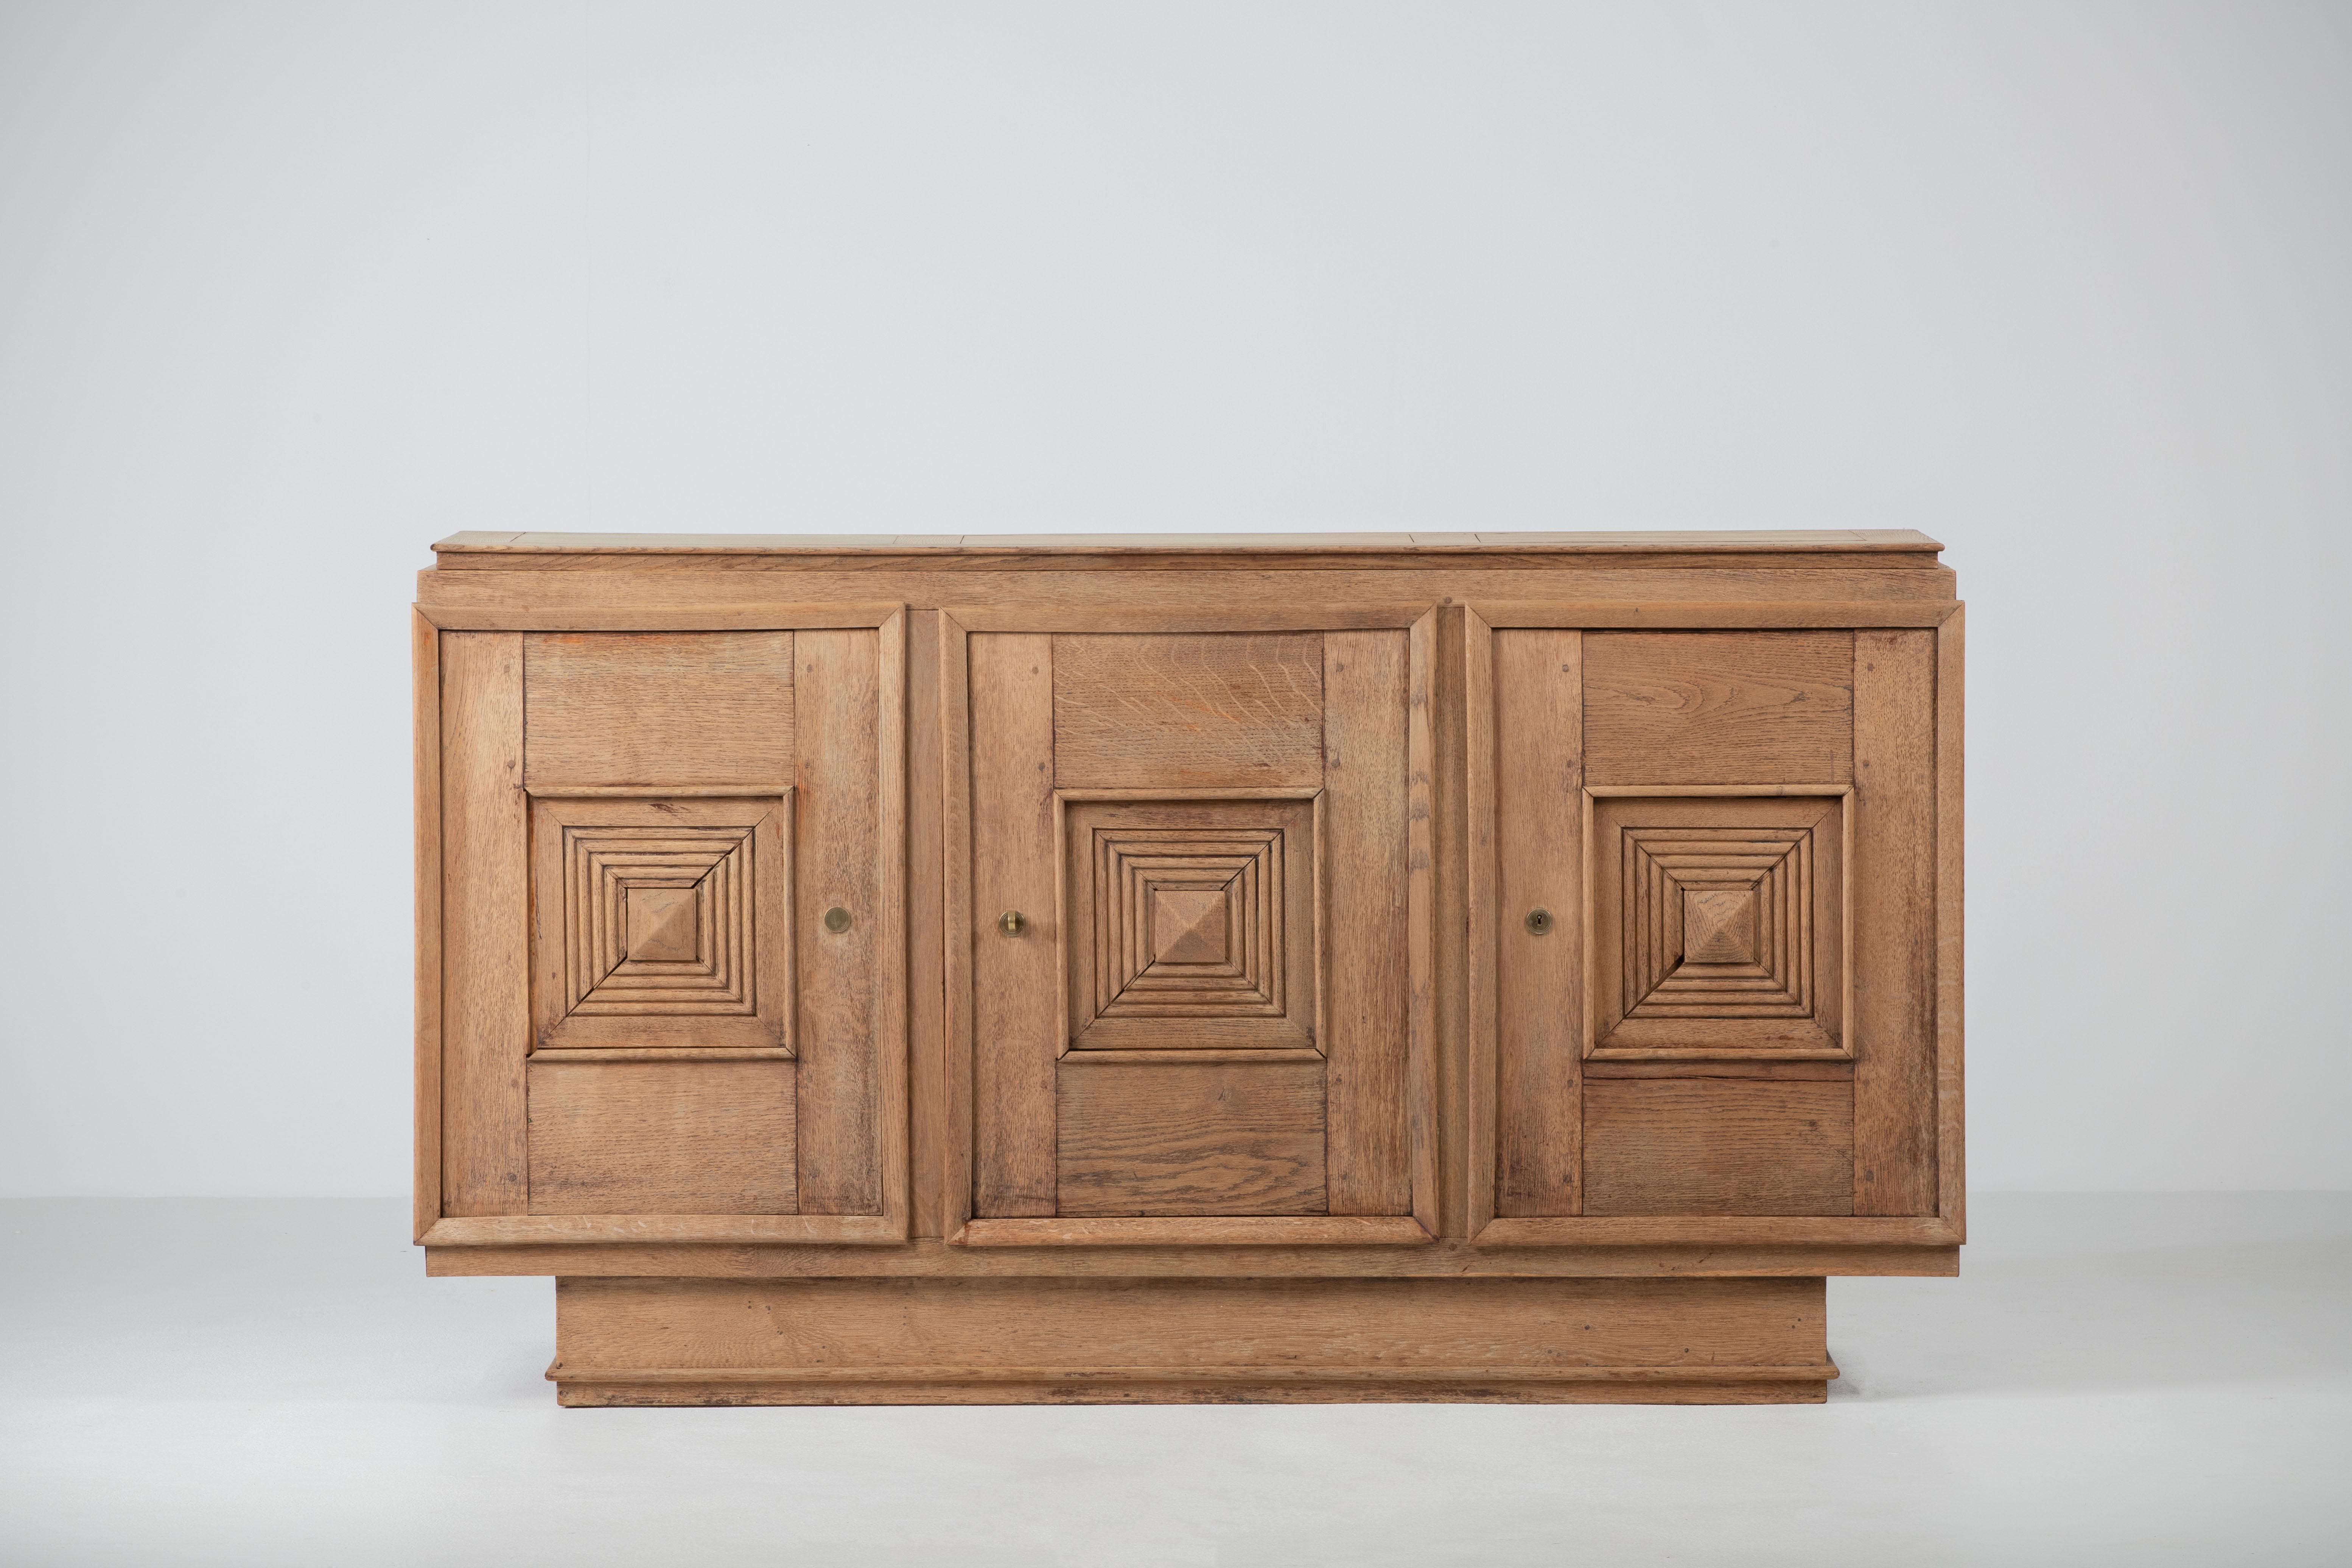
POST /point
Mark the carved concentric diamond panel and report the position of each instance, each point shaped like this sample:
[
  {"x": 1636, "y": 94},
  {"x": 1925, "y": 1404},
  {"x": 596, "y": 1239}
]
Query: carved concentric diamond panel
[
  {"x": 1717, "y": 927},
  {"x": 1188, "y": 924},
  {"x": 662, "y": 922}
]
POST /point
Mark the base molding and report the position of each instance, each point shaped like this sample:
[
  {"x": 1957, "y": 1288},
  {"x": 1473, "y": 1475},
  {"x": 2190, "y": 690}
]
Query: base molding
[{"x": 634, "y": 1342}]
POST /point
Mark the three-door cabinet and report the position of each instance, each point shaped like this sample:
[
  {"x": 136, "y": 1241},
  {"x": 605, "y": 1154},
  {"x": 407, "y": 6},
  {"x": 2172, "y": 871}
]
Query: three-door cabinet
[{"x": 1322, "y": 967}]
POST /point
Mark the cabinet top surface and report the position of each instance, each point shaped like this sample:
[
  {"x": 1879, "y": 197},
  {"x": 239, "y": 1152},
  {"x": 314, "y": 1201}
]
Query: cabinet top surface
[{"x": 490, "y": 551}]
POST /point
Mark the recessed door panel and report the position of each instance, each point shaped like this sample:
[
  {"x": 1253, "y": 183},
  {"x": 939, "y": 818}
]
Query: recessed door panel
[{"x": 1191, "y": 982}]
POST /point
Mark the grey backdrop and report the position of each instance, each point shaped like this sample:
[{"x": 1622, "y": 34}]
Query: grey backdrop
[{"x": 289, "y": 291}]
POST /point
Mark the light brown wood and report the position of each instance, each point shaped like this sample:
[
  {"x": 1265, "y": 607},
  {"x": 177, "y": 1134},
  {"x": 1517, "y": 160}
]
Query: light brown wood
[
  {"x": 1536, "y": 759},
  {"x": 1176, "y": 710},
  {"x": 1428, "y": 1339},
  {"x": 768, "y": 1257},
  {"x": 1217, "y": 1138},
  {"x": 1714, "y": 1146},
  {"x": 1426, "y": 1046},
  {"x": 484, "y": 921},
  {"x": 1656, "y": 861},
  {"x": 697, "y": 1137},
  {"x": 686, "y": 708},
  {"x": 1217, "y": 1230},
  {"x": 1951, "y": 1183},
  {"x": 1896, "y": 935},
  {"x": 1713, "y": 708},
  {"x": 928, "y": 1140},
  {"x": 1196, "y": 690},
  {"x": 641, "y": 615},
  {"x": 1014, "y": 991},
  {"x": 1187, "y": 925},
  {"x": 481, "y": 549},
  {"x": 624, "y": 1231},
  {"x": 424, "y": 648},
  {"x": 722, "y": 864},
  {"x": 1366, "y": 679},
  {"x": 839, "y": 780}
]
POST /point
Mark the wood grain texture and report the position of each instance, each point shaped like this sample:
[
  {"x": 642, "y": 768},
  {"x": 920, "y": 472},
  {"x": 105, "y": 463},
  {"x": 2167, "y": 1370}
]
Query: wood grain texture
[
  {"x": 1179, "y": 1139},
  {"x": 1433, "y": 1336},
  {"x": 1710, "y": 1146},
  {"x": 1895, "y": 928},
  {"x": 892, "y": 834},
  {"x": 678, "y": 708},
  {"x": 424, "y": 651},
  {"x": 1434, "y": 948},
  {"x": 984, "y": 1250},
  {"x": 661, "y": 1137},
  {"x": 593, "y": 857},
  {"x": 1194, "y": 708},
  {"x": 1951, "y": 1178},
  {"x": 485, "y": 925},
  {"x": 1779, "y": 854},
  {"x": 1015, "y": 986},
  {"x": 1706, "y": 708},
  {"x": 926, "y": 932},
  {"x": 838, "y": 784},
  {"x": 1366, "y": 799},
  {"x": 1537, "y": 856}
]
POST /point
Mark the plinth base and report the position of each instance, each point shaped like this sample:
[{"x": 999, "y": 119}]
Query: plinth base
[{"x": 1064, "y": 1340}]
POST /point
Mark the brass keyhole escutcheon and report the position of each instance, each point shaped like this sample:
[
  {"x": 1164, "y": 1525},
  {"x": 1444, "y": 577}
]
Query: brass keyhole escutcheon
[
  {"x": 1539, "y": 920},
  {"x": 1010, "y": 922},
  {"x": 837, "y": 920}
]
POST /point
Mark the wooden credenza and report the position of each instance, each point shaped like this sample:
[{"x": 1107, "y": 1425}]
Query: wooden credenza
[{"x": 1330, "y": 967}]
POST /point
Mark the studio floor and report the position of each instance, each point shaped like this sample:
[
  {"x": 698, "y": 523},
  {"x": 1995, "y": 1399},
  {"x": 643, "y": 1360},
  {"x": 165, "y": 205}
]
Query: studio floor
[{"x": 2113, "y": 1379}]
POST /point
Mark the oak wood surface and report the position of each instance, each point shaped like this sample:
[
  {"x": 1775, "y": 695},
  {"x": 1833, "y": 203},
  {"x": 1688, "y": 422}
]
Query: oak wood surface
[
  {"x": 461, "y": 1248},
  {"x": 661, "y": 1137},
  {"x": 1215, "y": 1138},
  {"x": 926, "y": 902},
  {"x": 1727, "y": 669},
  {"x": 1951, "y": 1183},
  {"x": 1365, "y": 685},
  {"x": 1014, "y": 989},
  {"x": 750, "y": 600},
  {"x": 1712, "y": 1146},
  {"x": 1895, "y": 923},
  {"x": 839, "y": 784},
  {"x": 1711, "y": 708},
  {"x": 1174, "y": 710},
  {"x": 425, "y": 650},
  {"x": 1536, "y": 760},
  {"x": 1711, "y": 1326},
  {"x": 684, "y": 708},
  {"x": 485, "y": 922}
]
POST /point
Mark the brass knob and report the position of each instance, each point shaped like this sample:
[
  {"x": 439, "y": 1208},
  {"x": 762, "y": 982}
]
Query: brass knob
[
  {"x": 837, "y": 920},
  {"x": 1010, "y": 923},
  {"x": 1539, "y": 920}
]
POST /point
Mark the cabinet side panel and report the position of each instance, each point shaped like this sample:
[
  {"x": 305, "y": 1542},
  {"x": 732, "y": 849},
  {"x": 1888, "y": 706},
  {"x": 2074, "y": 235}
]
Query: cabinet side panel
[
  {"x": 1183, "y": 1138},
  {"x": 425, "y": 646},
  {"x": 1538, "y": 828},
  {"x": 1365, "y": 785},
  {"x": 485, "y": 925},
  {"x": 1718, "y": 708},
  {"x": 1670, "y": 1146},
  {"x": 670, "y": 1138},
  {"x": 1015, "y": 986},
  {"x": 1894, "y": 923},
  {"x": 836, "y": 820}
]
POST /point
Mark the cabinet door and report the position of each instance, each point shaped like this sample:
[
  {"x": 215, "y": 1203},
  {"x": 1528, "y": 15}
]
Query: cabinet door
[
  {"x": 1188, "y": 879},
  {"x": 1708, "y": 931},
  {"x": 670, "y": 921}
]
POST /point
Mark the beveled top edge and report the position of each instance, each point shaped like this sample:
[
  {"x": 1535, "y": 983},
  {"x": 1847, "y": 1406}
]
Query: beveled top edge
[{"x": 1878, "y": 541}]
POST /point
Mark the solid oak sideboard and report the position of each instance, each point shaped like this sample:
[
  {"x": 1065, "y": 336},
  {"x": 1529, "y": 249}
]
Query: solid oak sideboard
[{"x": 1321, "y": 967}]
